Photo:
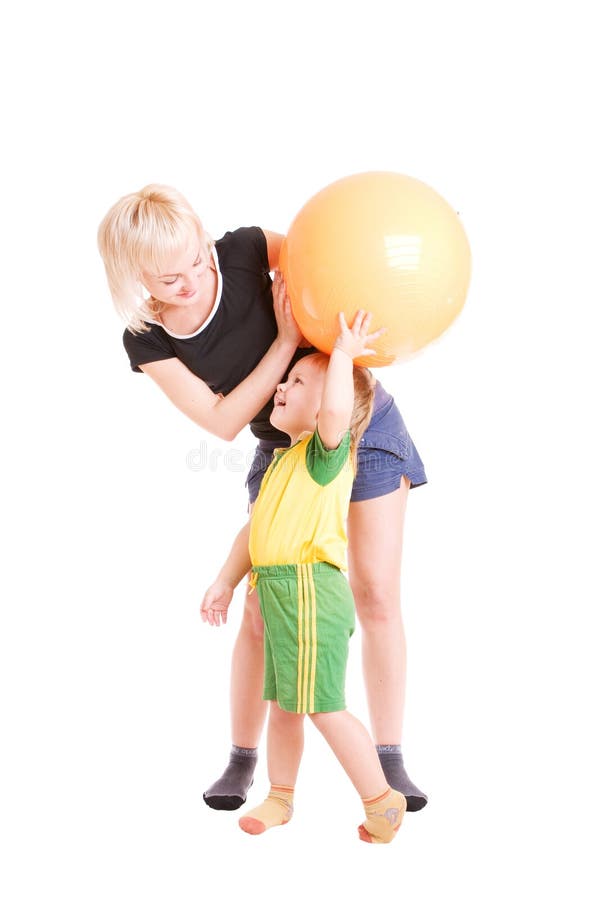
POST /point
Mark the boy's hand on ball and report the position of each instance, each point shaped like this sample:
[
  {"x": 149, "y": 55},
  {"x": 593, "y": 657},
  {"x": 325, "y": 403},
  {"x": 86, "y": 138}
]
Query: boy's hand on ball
[
  {"x": 216, "y": 603},
  {"x": 354, "y": 340}
]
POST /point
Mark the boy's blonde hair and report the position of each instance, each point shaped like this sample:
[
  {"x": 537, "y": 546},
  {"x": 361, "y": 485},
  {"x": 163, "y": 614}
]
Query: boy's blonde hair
[
  {"x": 364, "y": 393},
  {"x": 139, "y": 233}
]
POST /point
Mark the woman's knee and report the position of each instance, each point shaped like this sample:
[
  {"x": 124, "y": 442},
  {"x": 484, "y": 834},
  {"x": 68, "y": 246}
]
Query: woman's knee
[{"x": 377, "y": 603}]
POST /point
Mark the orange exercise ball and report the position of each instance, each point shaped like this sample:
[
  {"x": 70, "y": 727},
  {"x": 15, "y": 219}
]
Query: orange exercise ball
[{"x": 383, "y": 242}]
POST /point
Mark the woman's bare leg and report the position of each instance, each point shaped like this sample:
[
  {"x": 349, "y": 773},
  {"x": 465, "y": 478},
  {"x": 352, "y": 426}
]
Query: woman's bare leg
[
  {"x": 248, "y": 711},
  {"x": 375, "y": 532}
]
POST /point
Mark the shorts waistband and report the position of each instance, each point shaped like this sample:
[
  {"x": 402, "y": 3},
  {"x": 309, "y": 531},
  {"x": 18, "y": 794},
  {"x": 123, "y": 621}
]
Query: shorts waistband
[{"x": 290, "y": 570}]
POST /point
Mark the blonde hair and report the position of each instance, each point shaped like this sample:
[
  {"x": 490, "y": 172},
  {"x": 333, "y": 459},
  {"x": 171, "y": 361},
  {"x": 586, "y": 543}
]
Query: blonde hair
[
  {"x": 138, "y": 234},
  {"x": 364, "y": 394}
]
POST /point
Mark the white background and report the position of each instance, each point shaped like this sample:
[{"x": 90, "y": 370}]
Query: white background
[{"x": 114, "y": 696}]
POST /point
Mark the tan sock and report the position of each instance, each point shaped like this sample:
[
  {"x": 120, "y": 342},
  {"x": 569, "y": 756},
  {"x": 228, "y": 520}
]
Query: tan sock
[
  {"x": 384, "y": 817},
  {"x": 276, "y": 810}
]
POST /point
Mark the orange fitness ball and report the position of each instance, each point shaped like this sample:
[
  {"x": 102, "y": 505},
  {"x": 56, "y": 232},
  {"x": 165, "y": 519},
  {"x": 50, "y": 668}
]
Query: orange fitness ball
[{"x": 382, "y": 242}]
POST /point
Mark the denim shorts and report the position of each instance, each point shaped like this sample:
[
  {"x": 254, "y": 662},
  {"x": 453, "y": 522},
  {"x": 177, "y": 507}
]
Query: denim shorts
[{"x": 385, "y": 453}]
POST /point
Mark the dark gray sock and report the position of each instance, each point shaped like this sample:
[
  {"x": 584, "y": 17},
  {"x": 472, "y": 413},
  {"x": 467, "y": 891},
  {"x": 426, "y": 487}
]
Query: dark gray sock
[
  {"x": 229, "y": 791},
  {"x": 390, "y": 757}
]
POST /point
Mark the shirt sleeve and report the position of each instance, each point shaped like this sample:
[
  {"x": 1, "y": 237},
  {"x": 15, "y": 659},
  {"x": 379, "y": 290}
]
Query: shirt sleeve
[
  {"x": 145, "y": 347},
  {"x": 325, "y": 465},
  {"x": 246, "y": 248}
]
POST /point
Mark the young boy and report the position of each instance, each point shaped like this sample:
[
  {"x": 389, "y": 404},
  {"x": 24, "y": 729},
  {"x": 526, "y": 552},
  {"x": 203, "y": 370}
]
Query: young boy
[{"x": 296, "y": 543}]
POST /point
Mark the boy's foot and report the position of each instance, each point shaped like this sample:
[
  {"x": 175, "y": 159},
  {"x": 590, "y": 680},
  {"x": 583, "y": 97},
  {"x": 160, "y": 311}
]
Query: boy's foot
[
  {"x": 230, "y": 791},
  {"x": 276, "y": 810},
  {"x": 390, "y": 757},
  {"x": 384, "y": 817}
]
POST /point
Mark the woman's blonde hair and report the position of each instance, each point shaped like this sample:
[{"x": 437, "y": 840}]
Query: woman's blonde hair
[
  {"x": 139, "y": 233},
  {"x": 364, "y": 393}
]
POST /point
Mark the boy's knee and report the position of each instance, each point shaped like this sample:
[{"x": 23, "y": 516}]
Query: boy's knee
[
  {"x": 289, "y": 719},
  {"x": 318, "y": 719}
]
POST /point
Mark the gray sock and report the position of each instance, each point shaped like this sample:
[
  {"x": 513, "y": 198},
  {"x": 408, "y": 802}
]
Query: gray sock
[
  {"x": 390, "y": 757},
  {"x": 229, "y": 791}
]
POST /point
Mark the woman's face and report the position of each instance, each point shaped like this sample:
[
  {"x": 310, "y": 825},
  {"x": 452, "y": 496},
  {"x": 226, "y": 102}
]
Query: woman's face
[{"x": 183, "y": 275}]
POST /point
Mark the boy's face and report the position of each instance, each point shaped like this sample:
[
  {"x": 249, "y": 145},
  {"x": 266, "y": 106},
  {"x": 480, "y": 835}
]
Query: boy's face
[{"x": 298, "y": 400}]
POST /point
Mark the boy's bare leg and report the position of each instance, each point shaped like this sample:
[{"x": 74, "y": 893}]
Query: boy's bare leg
[
  {"x": 352, "y": 744},
  {"x": 285, "y": 743}
]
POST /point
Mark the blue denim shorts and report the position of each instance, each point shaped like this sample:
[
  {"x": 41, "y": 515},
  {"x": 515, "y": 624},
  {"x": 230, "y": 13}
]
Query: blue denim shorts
[{"x": 385, "y": 453}]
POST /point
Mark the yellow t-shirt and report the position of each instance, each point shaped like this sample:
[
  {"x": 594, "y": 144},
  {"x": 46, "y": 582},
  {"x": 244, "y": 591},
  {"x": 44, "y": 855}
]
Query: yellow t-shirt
[{"x": 301, "y": 509}]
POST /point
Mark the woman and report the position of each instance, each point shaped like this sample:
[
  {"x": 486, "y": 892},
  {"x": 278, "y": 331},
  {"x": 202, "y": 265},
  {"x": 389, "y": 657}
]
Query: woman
[{"x": 217, "y": 339}]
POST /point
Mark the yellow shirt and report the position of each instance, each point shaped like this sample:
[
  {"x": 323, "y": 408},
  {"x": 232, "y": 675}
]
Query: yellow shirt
[{"x": 301, "y": 509}]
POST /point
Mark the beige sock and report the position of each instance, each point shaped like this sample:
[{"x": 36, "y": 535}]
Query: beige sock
[
  {"x": 384, "y": 817},
  {"x": 276, "y": 810}
]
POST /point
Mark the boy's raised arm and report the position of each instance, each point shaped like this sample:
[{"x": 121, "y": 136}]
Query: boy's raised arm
[{"x": 338, "y": 392}]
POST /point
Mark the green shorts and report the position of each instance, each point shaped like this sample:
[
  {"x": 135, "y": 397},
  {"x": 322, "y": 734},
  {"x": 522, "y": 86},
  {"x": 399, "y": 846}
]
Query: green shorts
[{"x": 308, "y": 611}]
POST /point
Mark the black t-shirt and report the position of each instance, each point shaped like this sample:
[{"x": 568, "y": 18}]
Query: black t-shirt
[{"x": 238, "y": 332}]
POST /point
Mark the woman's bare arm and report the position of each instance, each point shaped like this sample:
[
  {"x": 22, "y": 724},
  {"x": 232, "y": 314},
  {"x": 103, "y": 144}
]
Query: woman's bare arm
[
  {"x": 222, "y": 416},
  {"x": 226, "y": 416},
  {"x": 274, "y": 242}
]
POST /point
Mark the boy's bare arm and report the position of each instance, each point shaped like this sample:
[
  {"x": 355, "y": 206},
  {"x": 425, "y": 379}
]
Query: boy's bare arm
[
  {"x": 338, "y": 392},
  {"x": 338, "y": 399},
  {"x": 238, "y": 562},
  {"x": 219, "y": 595}
]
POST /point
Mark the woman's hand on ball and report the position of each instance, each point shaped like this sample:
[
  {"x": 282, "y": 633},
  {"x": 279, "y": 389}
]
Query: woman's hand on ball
[
  {"x": 354, "y": 340},
  {"x": 287, "y": 327}
]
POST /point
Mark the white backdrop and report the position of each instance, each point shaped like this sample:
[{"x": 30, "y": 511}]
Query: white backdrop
[{"x": 114, "y": 696}]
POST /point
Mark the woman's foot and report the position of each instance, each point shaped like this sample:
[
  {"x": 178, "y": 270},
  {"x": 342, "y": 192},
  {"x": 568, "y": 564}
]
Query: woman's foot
[
  {"x": 390, "y": 757},
  {"x": 230, "y": 790}
]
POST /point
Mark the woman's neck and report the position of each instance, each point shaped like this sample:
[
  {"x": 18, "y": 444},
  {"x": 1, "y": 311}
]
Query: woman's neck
[{"x": 188, "y": 319}]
